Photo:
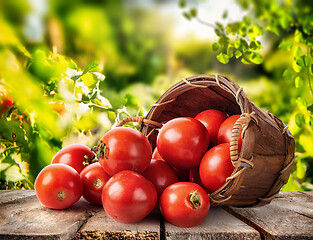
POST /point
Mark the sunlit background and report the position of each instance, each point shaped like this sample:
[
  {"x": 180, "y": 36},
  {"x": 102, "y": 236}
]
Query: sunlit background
[{"x": 141, "y": 48}]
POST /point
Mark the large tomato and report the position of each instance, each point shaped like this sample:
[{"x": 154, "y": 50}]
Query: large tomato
[
  {"x": 182, "y": 142},
  {"x": 74, "y": 155},
  {"x": 156, "y": 154},
  {"x": 215, "y": 167},
  {"x": 58, "y": 186},
  {"x": 94, "y": 178},
  {"x": 128, "y": 197},
  {"x": 194, "y": 176},
  {"x": 212, "y": 120},
  {"x": 225, "y": 130},
  {"x": 184, "y": 204},
  {"x": 160, "y": 174},
  {"x": 124, "y": 148}
]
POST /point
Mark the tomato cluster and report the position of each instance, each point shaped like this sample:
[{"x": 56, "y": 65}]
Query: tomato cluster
[{"x": 122, "y": 174}]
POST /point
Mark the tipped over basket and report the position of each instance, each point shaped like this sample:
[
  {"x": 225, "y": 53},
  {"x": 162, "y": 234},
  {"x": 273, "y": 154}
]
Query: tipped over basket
[{"x": 267, "y": 154}]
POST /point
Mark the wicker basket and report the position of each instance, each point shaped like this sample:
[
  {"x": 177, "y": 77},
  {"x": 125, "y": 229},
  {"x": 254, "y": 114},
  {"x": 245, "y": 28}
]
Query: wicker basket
[{"x": 267, "y": 155}]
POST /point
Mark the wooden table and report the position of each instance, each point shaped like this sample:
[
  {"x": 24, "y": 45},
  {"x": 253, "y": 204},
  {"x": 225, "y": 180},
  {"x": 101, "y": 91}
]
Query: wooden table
[{"x": 289, "y": 216}]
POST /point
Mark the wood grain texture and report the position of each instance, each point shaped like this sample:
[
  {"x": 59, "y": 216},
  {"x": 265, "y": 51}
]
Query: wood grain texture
[
  {"x": 218, "y": 225},
  {"x": 13, "y": 195},
  {"x": 101, "y": 226},
  {"x": 26, "y": 218},
  {"x": 288, "y": 216}
]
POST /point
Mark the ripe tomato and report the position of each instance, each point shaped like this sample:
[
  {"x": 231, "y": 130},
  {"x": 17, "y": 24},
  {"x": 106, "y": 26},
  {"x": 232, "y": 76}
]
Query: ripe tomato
[
  {"x": 74, "y": 156},
  {"x": 6, "y": 101},
  {"x": 184, "y": 204},
  {"x": 182, "y": 142},
  {"x": 58, "y": 186},
  {"x": 194, "y": 176},
  {"x": 224, "y": 132},
  {"x": 156, "y": 154},
  {"x": 128, "y": 197},
  {"x": 160, "y": 174},
  {"x": 215, "y": 167},
  {"x": 94, "y": 178},
  {"x": 212, "y": 120},
  {"x": 124, "y": 148}
]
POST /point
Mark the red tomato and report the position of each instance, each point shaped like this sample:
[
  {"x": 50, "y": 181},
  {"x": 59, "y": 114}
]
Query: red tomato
[
  {"x": 58, "y": 186},
  {"x": 6, "y": 101},
  {"x": 156, "y": 154},
  {"x": 182, "y": 174},
  {"x": 128, "y": 197},
  {"x": 94, "y": 178},
  {"x": 74, "y": 156},
  {"x": 160, "y": 174},
  {"x": 195, "y": 177},
  {"x": 224, "y": 132},
  {"x": 182, "y": 142},
  {"x": 212, "y": 120},
  {"x": 184, "y": 204},
  {"x": 215, "y": 167},
  {"x": 124, "y": 149}
]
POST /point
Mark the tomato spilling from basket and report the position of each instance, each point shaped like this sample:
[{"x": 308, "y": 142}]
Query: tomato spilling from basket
[{"x": 181, "y": 166}]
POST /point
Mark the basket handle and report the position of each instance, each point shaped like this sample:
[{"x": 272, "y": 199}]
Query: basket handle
[
  {"x": 241, "y": 123},
  {"x": 139, "y": 120}
]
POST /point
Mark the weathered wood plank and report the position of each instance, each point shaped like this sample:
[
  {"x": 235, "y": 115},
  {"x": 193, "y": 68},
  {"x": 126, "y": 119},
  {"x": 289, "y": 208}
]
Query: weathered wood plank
[
  {"x": 288, "y": 216},
  {"x": 101, "y": 226},
  {"x": 26, "y": 218},
  {"x": 218, "y": 225},
  {"x": 12, "y": 195}
]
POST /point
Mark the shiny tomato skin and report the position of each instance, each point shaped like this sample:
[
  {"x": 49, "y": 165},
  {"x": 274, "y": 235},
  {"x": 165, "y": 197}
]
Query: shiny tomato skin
[
  {"x": 176, "y": 208},
  {"x": 127, "y": 149},
  {"x": 58, "y": 186},
  {"x": 194, "y": 177},
  {"x": 212, "y": 120},
  {"x": 73, "y": 155},
  {"x": 215, "y": 167},
  {"x": 94, "y": 178},
  {"x": 182, "y": 142},
  {"x": 156, "y": 154},
  {"x": 160, "y": 174},
  {"x": 128, "y": 197},
  {"x": 225, "y": 130}
]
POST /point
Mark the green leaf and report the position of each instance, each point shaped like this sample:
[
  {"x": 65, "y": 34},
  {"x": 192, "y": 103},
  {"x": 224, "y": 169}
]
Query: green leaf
[
  {"x": 187, "y": 16},
  {"x": 300, "y": 170},
  {"x": 300, "y": 120},
  {"x": 256, "y": 58},
  {"x": 230, "y": 51},
  {"x": 286, "y": 45},
  {"x": 182, "y": 3},
  {"x": 223, "y": 58},
  {"x": 255, "y": 45},
  {"x": 223, "y": 41},
  {"x": 288, "y": 74},
  {"x": 255, "y": 31},
  {"x": 297, "y": 52},
  {"x": 298, "y": 36},
  {"x": 311, "y": 68},
  {"x": 232, "y": 28},
  {"x": 301, "y": 102},
  {"x": 193, "y": 12},
  {"x": 91, "y": 67},
  {"x": 225, "y": 14},
  {"x": 298, "y": 82},
  {"x": 215, "y": 46},
  {"x": 310, "y": 108},
  {"x": 303, "y": 61},
  {"x": 238, "y": 54}
]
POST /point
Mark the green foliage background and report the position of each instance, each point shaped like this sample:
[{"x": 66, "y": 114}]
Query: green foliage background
[{"x": 99, "y": 61}]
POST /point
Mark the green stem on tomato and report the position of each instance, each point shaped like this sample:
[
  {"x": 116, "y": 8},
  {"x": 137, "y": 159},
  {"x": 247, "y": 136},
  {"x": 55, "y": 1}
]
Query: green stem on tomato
[{"x": 194, "y": 198}]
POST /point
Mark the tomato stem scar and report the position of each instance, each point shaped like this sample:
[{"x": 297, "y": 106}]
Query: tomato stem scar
[{"x": 194, "y": 198}]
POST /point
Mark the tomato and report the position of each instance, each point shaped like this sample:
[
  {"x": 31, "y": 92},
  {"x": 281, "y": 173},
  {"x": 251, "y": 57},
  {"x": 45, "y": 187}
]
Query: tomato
[
  {"x": 124, "y": 148},
  {"x": 215, "y": 167},
  {"x": 160, "y": 174},
  {"x": 184, "y": 204},
  {"x": 194, "y": 176},
  {"x": 212, "y": 120},
  {"x": 225, "y": 130},
  {"x": 58, "y": 186},
  {"x": 74, "y": 156},
  {"x": 128, "y": 197},
  {"x": 156, "y": 154},
  {"x": 6, "y": 101},
  {"x": 94, "y": 178},
  {"x": 182, "y": 142}
]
